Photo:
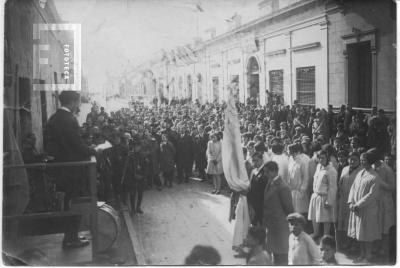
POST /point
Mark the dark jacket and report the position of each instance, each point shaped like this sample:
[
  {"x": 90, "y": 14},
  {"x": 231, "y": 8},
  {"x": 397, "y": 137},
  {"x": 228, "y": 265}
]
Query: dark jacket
[
  {"x": 64, "y": 143},
  {"x": 167, "y": 153},
  {"x": 200, "y": 143},
  {"x": 185, "y": 150},
  {"x": 63, "y": 138},
  {"x": 118, "y": 154},
  {"x": 153, "y": 150},
  {"x": 135, "y": 170},
  {"x": 277, "y": 205},
  {"x": 255, "y": 196}
]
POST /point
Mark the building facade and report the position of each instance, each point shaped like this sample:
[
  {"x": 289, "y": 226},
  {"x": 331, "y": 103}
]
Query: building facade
[
  {"x": 317, "y": 52},
  {"x": 26, "y": 108}
]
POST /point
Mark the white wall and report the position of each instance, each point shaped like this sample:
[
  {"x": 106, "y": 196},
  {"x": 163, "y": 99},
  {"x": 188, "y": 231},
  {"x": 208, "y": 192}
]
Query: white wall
[
  {"x": 317, "y": 57},
  {"x": 279, "y": 60}
]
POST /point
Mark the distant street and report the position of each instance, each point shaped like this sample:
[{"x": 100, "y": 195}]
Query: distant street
[{"x": 110, "y": 105}]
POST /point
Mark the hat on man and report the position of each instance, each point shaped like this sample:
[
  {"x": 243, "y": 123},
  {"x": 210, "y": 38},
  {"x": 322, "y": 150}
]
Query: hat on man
[
  {"x": 374, "y": 152},
  {"x": 321, "y": 138},
  {"x": 168, "y": 120},
  {"x": 68, "y": 96},
  {"x": 276, "y": 139},
  {"x": 294, "y": 148},
  {"x": 305, "y": 139},
  {"x": 297, "y": 217}
]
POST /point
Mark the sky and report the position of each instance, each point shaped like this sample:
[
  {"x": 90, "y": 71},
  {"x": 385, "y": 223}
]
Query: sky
[{"x": 118, "y": 33}]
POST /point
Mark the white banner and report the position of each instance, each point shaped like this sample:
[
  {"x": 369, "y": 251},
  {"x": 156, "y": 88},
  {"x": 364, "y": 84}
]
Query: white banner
[{"x": 232, "y": 152}]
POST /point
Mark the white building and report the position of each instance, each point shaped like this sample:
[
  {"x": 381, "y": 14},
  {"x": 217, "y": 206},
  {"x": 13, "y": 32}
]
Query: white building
[{"x": 314, "y": 51}]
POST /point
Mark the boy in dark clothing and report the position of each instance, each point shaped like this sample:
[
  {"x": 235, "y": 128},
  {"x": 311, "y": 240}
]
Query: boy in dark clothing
[
  {"x": 328, "y": 250},
  {"x": 134, "y": 177}
]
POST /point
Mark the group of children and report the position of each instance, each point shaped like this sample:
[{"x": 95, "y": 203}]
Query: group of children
[{"x": 302, "y": 248}]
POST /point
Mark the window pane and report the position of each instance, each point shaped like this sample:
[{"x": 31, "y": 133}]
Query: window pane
[
  {"x": 305, "y": 80},
  {"x": 276, "y": 81}
]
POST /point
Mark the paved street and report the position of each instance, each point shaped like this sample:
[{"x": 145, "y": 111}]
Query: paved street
[{"x": 178, "y": 218}]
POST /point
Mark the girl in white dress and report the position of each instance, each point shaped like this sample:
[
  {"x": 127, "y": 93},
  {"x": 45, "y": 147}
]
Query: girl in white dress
[{"x": 323, "y": 200}]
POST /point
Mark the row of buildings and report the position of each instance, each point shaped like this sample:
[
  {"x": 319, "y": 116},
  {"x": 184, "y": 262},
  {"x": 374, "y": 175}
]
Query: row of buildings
[{"x": 318, "y": 52}]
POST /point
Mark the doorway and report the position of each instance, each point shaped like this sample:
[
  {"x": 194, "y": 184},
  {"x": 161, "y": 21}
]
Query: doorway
[
  {"x": 253, "y": 73},
  {"x": 359, "y": 74}
]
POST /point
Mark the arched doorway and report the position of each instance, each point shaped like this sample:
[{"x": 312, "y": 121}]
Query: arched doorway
[{"x": 253, "y": 74}]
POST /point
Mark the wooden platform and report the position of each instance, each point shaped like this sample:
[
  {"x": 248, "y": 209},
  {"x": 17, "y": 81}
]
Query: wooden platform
[{"x": 51, "y": 245}]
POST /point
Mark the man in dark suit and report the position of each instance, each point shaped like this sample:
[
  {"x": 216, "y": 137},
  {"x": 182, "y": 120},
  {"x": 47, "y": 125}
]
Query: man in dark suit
[
  {"x": 277, "y": 204},
  {"x": 255, "y": 196},
  {"x": 201, "y": 141},
  {"x": 65, "y": 144},
  {"x": 184, "y": 154}
]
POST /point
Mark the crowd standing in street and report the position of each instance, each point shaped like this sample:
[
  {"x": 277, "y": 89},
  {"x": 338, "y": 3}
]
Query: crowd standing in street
[{"x": 299, "y": 159}]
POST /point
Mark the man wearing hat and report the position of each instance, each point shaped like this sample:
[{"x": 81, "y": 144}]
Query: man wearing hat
[
  {"x": 276, "y": 206},
  {"x": 201, "y": 140},
  {"x": 355, "y": 143},
  {"x": 297, "y": 132},
  {"x": 305, "y": 144},
  {"x": 64, "y": 143},
  {"x": 272, "y": 127},
  {"x": 172, "y": 135},
  {"x": 321, "y": 139},
  {"x": 302, "y": 248}
]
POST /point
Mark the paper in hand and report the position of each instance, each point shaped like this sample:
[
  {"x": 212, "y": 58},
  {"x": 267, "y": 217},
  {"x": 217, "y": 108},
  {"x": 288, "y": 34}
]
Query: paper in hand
[{"x": 103, "y": 146}]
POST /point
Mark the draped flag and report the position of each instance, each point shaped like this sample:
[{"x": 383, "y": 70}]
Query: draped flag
[
  {"x": 235, "y": 170},
  {"x": 232, "y": 152}
]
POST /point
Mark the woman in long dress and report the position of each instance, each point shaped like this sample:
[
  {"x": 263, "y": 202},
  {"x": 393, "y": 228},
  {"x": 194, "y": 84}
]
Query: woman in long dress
[
  {"x": 214, "y": 161},
  {"x": 363, "y": 203},
  {"x": 323, "y": 200},
  {"x": 346, "y": 180}
]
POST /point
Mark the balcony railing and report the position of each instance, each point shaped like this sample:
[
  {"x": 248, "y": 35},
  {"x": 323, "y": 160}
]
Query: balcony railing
[{"x": 87, "y": 206}]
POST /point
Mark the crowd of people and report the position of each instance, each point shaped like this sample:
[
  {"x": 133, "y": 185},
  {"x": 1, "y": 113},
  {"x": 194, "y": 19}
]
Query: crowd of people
[{"x": 334, "y": 170}]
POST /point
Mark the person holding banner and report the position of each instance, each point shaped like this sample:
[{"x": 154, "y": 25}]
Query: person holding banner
[{"x": 235, "y": 171}]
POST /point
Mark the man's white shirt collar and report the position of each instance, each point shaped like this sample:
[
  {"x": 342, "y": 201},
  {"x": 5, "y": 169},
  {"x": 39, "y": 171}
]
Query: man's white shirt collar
[{"x": 65, "y": 109}]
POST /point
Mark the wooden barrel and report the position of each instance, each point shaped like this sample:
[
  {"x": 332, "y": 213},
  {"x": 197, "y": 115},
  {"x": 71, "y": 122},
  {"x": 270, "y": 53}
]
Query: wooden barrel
[{"x": 108, "y": 226}]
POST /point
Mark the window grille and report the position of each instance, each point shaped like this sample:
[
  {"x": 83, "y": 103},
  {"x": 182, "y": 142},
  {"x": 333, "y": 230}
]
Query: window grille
[
  {"x": 305, "y": 81},
  {"x": 276, "y": 81}
]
